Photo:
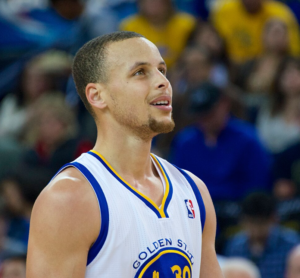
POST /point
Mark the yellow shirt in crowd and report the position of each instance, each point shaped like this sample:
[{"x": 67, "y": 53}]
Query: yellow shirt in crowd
[
  {"x": 170, "y": 40},
  {"x": 243, "y": 31}
]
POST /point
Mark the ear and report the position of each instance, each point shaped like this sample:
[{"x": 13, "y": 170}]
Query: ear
[{"x": 94, "y": 93}]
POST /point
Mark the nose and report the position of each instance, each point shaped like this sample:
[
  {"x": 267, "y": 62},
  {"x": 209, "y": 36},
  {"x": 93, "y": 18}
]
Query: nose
[{"x": 161, "y": 81}]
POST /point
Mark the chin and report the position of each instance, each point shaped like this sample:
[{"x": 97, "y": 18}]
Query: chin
[{"x": 161, "y": 126}]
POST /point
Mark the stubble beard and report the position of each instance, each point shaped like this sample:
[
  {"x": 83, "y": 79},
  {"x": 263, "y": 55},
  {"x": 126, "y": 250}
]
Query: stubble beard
[
  {"x": 145, "y": 131},
  {"x": 152, "y": 128}
]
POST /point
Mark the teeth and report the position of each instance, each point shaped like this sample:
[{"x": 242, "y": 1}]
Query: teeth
[{"x": 162, "y": 102}]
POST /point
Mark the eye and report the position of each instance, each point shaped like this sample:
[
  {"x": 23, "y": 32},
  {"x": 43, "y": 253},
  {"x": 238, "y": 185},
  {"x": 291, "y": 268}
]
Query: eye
[
  {"x": 139, "y": 72},
  {"x": 163, "y": 71}
]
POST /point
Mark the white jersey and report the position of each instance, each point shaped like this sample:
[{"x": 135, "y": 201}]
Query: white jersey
[{"x": 138, "y": 238}]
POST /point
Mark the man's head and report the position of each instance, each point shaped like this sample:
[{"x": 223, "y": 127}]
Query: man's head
[
  {"x": 258, "y": 216},
  {"x": 211, "y": 107},
  {"x": 197, "y": 65},
  {"x": 14, "y": 267},
  {"x": 240, "y": 268},
  {"x": 68, "y": 9},
  {"x": 275, "y": 36},
  {"x": 156, "y": 11},
  {"x": 253, "y": 6},
  {"x": 121, "y": 78},
  {"x": 293, "y": 263}
]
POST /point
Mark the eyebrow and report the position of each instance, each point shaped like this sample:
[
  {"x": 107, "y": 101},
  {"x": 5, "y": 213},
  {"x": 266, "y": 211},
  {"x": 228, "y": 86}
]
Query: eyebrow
[{"x": 137, "y": 64}]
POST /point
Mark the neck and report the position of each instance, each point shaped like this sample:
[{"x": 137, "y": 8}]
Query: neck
[{"x": 128, "y": 154}]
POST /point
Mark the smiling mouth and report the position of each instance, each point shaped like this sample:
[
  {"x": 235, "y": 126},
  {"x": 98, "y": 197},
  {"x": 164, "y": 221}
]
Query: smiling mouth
[{"x": 161, "y": 103}]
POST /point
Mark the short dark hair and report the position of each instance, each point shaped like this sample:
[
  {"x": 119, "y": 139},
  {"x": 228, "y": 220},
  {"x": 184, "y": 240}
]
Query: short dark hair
[
  {"x": 89, "y": 62},
  {"x": 259, "y": 205}
]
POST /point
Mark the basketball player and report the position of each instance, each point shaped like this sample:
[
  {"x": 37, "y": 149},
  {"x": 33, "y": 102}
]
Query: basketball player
[{"x": 119, "y": 211}]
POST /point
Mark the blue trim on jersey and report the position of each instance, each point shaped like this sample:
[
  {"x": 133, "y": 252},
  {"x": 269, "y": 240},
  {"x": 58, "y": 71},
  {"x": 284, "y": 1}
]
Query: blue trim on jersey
[
  {"x": 98, "y": 244},
  {"x": 168, "y": 200},
  {"x": 197, "y": 194},
  {"x": 135, "y": 193}
]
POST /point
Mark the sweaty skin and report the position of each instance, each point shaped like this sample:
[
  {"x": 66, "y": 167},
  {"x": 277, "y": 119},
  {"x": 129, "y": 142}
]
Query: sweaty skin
[{"x": 61, "y": 234}]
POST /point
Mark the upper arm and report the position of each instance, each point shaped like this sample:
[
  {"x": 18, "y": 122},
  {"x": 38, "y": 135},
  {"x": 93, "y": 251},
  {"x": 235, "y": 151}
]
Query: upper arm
[
  {"x": 61, "y": 234},
  {"x": 209, "y": 264}
]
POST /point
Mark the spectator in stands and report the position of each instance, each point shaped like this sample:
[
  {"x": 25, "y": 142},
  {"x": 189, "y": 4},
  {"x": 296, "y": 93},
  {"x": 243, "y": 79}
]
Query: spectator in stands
[
  {"x": 223, "y": 151},
  {"x": 286, "y": 185},
  {"x": 54, "y": 139},
  {"x": 293, "y": 263},
  {"x": 286, "y": 171},
  {"x": 245, "y": 20},
  {"x": 14, "y": 267},
  {"x": 63, "y": 24},
  {"x": 158, "y": 21},
  {"x": 18, "y": 195},
  {"x": 257, "y": 76},
  {"x": 278, "y": 123},
  {"x": 261, "y": 240},
  {"x": 8, "y": 245},
  {"x": 206, "y": 36},
  {"x": 240, "y": 268},
  {"x": 43, "y": 73},
  {"x": 194, "y": 67}
]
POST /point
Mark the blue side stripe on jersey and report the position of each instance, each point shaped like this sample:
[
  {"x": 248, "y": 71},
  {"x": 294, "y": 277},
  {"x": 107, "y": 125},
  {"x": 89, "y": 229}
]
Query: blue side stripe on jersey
[
  {"x": 197, "y": 194},
  {"x": 98, "y": 244},
  {"x": 135, "y": 193},
  {"x": 170, "y": 188}
]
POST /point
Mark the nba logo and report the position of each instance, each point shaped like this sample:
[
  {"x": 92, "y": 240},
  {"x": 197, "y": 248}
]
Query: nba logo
[{"x": 190, "y": 208}]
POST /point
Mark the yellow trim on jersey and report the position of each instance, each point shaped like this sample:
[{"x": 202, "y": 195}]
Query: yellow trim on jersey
[
  {"x": 160, "y": 210},
  {"x": 159, "y": 255}
]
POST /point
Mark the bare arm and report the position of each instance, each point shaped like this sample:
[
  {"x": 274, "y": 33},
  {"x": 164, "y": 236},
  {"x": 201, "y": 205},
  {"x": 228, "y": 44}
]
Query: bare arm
[
  {"x": 64, "y": 224},
  {"x": 210, "y": 267}
]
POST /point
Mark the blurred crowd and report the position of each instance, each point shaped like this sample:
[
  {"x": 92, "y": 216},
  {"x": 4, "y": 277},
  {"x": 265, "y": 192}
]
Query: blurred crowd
[{"x": 234, "y": 66}]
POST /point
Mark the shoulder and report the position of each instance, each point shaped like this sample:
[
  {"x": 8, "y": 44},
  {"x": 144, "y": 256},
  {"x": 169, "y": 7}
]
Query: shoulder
[
  {"x": 278, "y": 8},
  {"x": 200, "y": 184},
  {"x": 184, "y": 19},
  {"x": 288, "y": 237},
  {"x": 64, "y": 204},
  {"x": 209, "y": 213}
]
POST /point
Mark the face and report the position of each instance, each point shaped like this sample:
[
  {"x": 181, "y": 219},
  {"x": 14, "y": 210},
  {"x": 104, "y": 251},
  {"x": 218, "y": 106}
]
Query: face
[
  {"x": 51, "y": 128},
  {"x": 12, "y": 196},
  {"x": 14, "y": 269},
  {"x": 215, "y": 120},
  {"x": 276, "y": 37},
  {"x": 253, "y": 6},
  {"x": 293, "y": 270},
  {"x": 35, "y": 83},
  {"x": 258, "y": 230},
  {"x": 138, "y": 94},
  {"x": 69, "y": 9},
  {"x": 155, "y": 10},
  {"x": 197, "y": 67},
  {"x": 209, "y": 38}
]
